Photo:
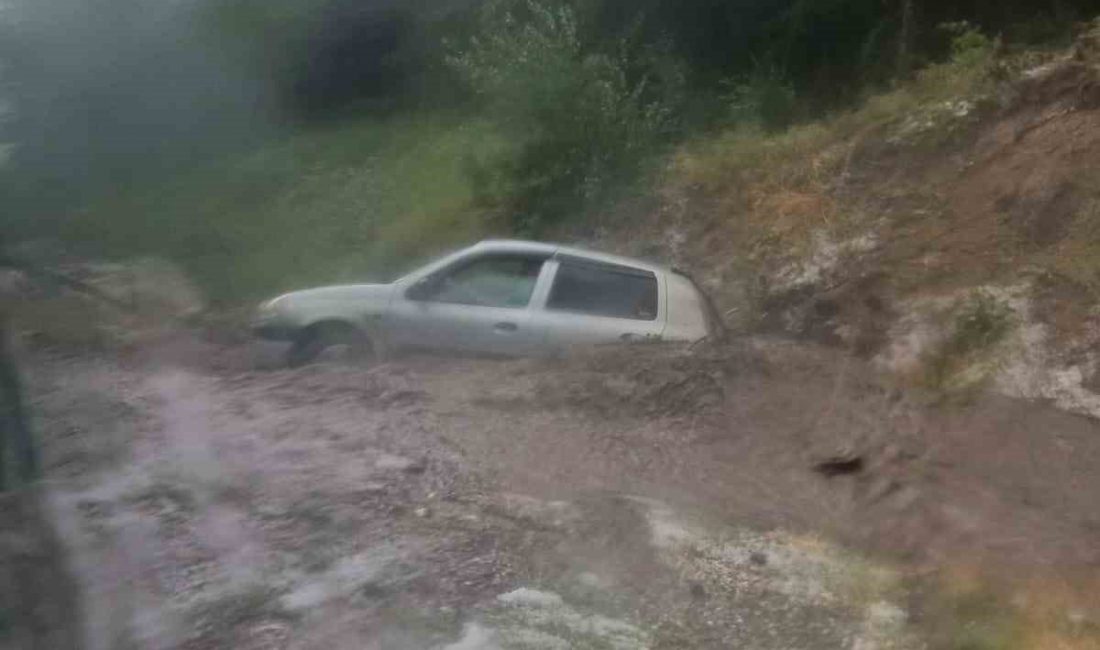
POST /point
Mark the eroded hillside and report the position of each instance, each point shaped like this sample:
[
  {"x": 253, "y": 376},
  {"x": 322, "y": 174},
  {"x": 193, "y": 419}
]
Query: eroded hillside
[{"x": 948, "y": 230}]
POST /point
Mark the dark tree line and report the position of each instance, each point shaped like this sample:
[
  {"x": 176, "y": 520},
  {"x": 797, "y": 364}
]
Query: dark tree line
[
  {"x": 359, "y": 49},
  {"x": 111, "y": 93}
]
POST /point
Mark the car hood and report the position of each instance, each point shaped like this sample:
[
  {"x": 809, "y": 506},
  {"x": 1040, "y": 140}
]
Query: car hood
[{"x": 356, "y": 292}]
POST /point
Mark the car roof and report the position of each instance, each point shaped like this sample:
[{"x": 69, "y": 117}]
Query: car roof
[{"x": 555, "y": 250}]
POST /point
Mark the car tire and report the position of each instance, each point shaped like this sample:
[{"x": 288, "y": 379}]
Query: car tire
[{"x": 316, "y": 339}]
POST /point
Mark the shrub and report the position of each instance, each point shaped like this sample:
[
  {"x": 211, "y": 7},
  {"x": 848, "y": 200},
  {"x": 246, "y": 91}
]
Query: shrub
[
  {"x": 765, "y": 97},
  {"x": 969, "y": 46},
  {"x": 981, "y": 322},
  {"x": 583, "y": 120}
]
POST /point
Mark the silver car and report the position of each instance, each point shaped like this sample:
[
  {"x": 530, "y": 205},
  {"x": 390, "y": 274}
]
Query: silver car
[{"x": 497, "y": 297}]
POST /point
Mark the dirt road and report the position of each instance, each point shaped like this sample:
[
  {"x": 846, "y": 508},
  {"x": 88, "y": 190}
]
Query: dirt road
[{"x": 631, "y": 499}]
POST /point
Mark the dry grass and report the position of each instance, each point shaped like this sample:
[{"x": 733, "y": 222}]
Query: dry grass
[
  {"x": 985, "y": 608},
  {"x": 1077, "y": 256},
  {"x": 965, "y": 358},
  {"x": 776, "y": 190}
]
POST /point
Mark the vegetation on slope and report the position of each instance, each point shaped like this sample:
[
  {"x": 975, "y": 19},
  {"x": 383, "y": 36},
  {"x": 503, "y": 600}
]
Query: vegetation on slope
[
  {"x": 350, "y": 202},
  {"x": 357, "y": 137}
]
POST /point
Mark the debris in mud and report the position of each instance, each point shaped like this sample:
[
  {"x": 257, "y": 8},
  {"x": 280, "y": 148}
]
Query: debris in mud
[
  {"x": 529, "y": 618},
  {"x": 397, "y": 398},
  {"x": 815, "y": 593},
  {"x": 401, "y": 464},
  {"x": 840, "y": 466},
  {"x": 698, "y": 591},
  {"x": 239, "y": 618},
  {"x": 346, "y": 577},
  {"x": 534, "y": 513},
  {"x": 664, "y": 381},
  {"x": 334, "y": 481}
]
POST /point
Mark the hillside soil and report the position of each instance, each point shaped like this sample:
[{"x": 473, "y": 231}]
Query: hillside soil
[{"x": 868, "y": 239}]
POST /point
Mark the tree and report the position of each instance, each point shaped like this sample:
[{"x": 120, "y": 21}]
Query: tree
[
  {"x": 585, "y": 119},
  {"x": 907, "y": 38}
]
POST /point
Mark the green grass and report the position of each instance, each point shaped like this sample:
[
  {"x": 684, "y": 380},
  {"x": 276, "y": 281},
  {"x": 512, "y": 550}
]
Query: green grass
[
  {"x": 970, "y": 608},
  {"x": 351, "y": 202},
  {"x": 1077, "y": 256},
  {"x": 961, "y": 361}
]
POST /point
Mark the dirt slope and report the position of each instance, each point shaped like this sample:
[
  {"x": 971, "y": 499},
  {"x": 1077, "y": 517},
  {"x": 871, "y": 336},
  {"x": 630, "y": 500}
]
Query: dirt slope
[{"x": 875, "y": 231}]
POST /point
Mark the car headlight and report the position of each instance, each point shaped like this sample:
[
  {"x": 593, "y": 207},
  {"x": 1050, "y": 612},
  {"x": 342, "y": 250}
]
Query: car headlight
[{"x": 271, "y": 308}]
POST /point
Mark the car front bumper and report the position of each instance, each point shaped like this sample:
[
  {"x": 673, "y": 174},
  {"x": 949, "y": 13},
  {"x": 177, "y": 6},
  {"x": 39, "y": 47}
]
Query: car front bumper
[{"x": 273, "y": 332}]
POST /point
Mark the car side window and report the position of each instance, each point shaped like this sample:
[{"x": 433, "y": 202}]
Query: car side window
[
  {"x": 604, "y": 290},
  {"x": 498, "y": 281}
]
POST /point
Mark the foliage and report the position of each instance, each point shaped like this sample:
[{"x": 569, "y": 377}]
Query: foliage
[
  {"x": 584, "y": 119},
  {"x": 982, "y": 322},
  {"x": 764, "y": 97},
  {"x": 349, "y": 202},
  {"x": 807, "y": 155},
  {"x": 132, "y": 136},
  {"x": 969, "y": 46}
]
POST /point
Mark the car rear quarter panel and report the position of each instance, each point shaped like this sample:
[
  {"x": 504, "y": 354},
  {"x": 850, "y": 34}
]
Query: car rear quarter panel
[{"x": 687, "y": 310}]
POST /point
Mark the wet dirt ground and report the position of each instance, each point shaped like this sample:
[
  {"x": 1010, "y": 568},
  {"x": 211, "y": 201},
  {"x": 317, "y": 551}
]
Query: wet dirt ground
[{"x": 631, "y": 498}]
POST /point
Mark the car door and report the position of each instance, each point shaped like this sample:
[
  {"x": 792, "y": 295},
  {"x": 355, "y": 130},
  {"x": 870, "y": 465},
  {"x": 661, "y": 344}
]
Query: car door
[
  {"x": 478, "y": 304},
  {"x": 591, "y": 302}
]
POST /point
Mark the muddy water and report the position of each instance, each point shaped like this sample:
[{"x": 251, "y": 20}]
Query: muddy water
[{"x": 463, "y": 504}]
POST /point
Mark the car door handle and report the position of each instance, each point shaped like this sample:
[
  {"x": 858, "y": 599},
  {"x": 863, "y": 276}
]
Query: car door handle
[{"x": 506, "y": 327}]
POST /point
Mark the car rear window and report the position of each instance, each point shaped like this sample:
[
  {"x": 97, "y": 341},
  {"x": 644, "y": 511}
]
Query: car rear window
[{"x": 604, "y": 290}]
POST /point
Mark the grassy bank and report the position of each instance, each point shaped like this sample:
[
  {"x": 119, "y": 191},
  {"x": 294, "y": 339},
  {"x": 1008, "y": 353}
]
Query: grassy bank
[{"x": 349, "y": 202}]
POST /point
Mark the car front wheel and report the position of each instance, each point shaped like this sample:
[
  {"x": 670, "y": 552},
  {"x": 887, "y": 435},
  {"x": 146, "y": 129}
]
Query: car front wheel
[{"x": 342, "y": 339}]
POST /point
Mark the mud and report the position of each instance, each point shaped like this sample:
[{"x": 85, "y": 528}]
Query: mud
[
  {"x": 639, "y": 497},
  {"x": 39, "y": 604}
]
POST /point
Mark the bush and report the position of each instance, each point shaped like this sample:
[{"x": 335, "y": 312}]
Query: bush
[
  {"x": 981, "y": 322},
  {"x": 969, "y": 46},
  {"x": 583, "y": 120},
  {"x": 765, "y": 97}
]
